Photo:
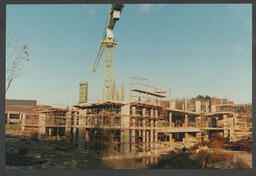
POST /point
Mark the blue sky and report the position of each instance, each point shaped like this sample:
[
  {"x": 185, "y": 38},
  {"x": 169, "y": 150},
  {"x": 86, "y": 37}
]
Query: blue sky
[{"x": 192, "y": 49}]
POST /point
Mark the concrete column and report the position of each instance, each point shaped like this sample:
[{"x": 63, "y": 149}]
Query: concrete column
[
  {"x": 81, "y": 130},
  {"x": 75, "y": 128},
  {"x": 156, "y": 142},
  {"x": 151, "y": 131},
  {"x": 133, "y": 130},
  {"x": 156, "y": 132},
  {"x": 23, "y": 123},
  {"x": 186, "y": 121},
  {"x": 8, "y": 118},
  {"x": 133, "y": 116},
  {"x": 171, "y": 142},
  {"x": 198, "y": 137},
  {"x": 41, "y": 132},
  {"x": 225, "y": 117},
  {"x": 20, "y": 118},
  {"x": 186, "y": 139},
  {"x": 170, "y": 120},
  {"x": 68, "y": 126},
  {"x": 125, "y": 117},
  {"x": 198, "y": 122},
  {"x": 156, "y": 113},
  {"x": 147, "y": 140},
  {"x": 144, "y": 134},
  {"x": 50, "y": 133},
  {"x": 87, "y": 136},
  {"x": 133, "y": 140}
]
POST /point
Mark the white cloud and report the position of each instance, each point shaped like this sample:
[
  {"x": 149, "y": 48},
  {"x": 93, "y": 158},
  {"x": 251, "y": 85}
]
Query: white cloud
[
  {"x": 239, "y": 47},
  {"x": 238, "y": 7},
  {"x": 89, "y": 10},
  {"x": 148, "y": 7},
  {"x": 161, "y": 5},
  {"x": 145, "y": 7}
]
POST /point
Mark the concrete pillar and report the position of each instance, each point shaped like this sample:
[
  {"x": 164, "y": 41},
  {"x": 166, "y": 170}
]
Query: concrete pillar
[
  {"x": 170, "y": 120},
  {"x": 156, "y": 133},
  {"x": 198, "y": 137},
  {"x": 225, "y": 117},
  {"x": 171, "y": 142},
  {"x": 68, "y": 126},
  {"x": 198, "y": 122},
  {"x": 156, "y": 113},
  {"x": 125, "y": 117},
  {"x": 147, "y": 140},
  {"x": 20, "y": 118},
  {"x": 186, "y": 121},
  {"x": 133, "y": 137},
  {"x": 50, "y": 133},
  {"x": 133, "y": 124},
  {"x": 186, "y": 139},
  {"x": 23, "y": 123},
  {"x": 8, "y": 118},
  {"x": 155, "y": 141},
  {"x": 144, "y": 134},
  {"x": 151, "y": 131},
  {"x": 75, "y": 128},
  {"x": 133, "y": 119},
  {"x": 41, "y": 132},
  {"x": 81, "y": 130},
  {"x": 87, "y": 136}
]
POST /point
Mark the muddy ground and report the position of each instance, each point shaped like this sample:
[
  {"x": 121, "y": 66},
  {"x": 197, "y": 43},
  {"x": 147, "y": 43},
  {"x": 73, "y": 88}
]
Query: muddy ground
[
  {"x": 25, "y": 153},
  {"x": 22, "y": 153}
]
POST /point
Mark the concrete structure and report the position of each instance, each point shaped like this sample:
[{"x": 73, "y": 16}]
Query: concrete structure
[
  {"x": 15, "y": 109},
  {"x": 83, "y": 92},
  {"x": 145, "y": 125}
]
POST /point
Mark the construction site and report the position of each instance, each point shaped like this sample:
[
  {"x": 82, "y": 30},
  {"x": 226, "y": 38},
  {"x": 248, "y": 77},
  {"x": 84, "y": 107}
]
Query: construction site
[{"x": 147, "y": 124}]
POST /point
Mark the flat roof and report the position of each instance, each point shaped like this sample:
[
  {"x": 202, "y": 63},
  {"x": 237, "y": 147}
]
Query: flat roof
[
  {"x": 219, "y": 113},
  {"x": 20, "y": 102},
  {"x": 100, "y": 103},
  {"x": 179, "y": 112},
  {"x": 225, "y": 105},
  {"x": 149, "y": 92},
  {"x": 51, "y": 109}
]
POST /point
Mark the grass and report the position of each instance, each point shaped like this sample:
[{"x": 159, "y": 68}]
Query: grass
[
  {"x": 176, "y": 161},
  {"x": 214, "y": 157},
  {"x": 12, "y": 128}
]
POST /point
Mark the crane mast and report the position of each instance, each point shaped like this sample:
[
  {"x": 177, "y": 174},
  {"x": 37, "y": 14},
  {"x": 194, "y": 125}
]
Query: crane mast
[{"x": 107, "y": 47}]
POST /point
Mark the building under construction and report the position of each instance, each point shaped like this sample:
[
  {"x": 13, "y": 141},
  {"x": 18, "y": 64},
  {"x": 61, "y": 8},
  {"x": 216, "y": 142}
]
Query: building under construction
[{"x": 147, "y": 124}]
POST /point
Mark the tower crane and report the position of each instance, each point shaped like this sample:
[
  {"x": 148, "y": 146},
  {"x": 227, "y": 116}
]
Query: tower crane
[{"x": 107, "y": 46}]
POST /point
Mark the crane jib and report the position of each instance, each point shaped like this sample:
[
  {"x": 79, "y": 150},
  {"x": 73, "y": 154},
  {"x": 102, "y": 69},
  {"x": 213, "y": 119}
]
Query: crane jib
[{"x": 110, "y": 25}]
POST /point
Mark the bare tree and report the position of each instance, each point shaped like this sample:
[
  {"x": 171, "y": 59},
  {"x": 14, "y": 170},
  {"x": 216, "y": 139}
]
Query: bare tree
[{"x": 17, "y": 54}]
